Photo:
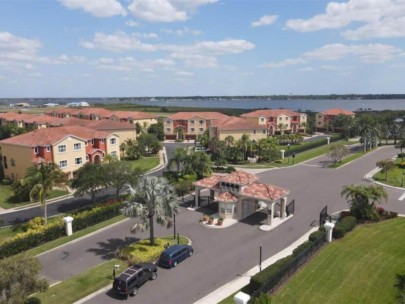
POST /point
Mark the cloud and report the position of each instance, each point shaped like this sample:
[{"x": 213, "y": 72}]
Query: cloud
[
  {"x": 129, "y": 63},
  {"x": 165, "y": 10},
  {"x": 15, "y": 44},
  {"x": 118, "y": 42},
  {"x": 265, "y": 20},
  {"x": 98, "y": 8},
  {"x": 307, "y": 69},
  {"x": 284, "y": 63},
  {"x": 377, "y": 19},
  {"x": 369, "y": 53},
  {"x": 184, "y": 74},
  {"x": 182, "y": 32},
  {"x": 132, "y": 23}
]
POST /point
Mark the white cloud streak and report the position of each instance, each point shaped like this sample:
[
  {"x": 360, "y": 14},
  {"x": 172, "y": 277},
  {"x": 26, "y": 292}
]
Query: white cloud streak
[
  {"x": 97, "y": 8},
  {"x": 265, "y": 20}
]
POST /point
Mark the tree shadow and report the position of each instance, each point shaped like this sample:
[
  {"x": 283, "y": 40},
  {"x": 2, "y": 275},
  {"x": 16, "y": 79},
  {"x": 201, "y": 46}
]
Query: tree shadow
[
  {"x": 107, "y": 249},
  {"x": 256, "y": 219}
]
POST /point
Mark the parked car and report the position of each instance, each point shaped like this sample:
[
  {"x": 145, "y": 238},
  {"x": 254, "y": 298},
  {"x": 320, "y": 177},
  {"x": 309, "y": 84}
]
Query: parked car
[
  {"x": 174, "y": 255},
  {"x": 128, "y": 282}
]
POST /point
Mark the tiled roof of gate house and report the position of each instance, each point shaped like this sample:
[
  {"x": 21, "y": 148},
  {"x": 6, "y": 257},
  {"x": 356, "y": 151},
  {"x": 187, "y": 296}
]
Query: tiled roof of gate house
[
  {"x": 239, "y": 177},
  {"x": 264, "y": 191},
  {"x": 227, "y": 197}
]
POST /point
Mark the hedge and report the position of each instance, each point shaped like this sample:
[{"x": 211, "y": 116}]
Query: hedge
[
  {"x": 313, "y": 144},
  {"x": 344, "y": 226},
  {"x": 32, "y": 238}
]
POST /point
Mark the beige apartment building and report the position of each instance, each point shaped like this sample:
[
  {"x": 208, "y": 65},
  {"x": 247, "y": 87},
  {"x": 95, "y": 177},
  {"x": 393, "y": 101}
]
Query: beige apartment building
[
  {"x": 325, "y": 118},
  {"x": 237, "y": 127},
  {"x": 279, "y": 121}
]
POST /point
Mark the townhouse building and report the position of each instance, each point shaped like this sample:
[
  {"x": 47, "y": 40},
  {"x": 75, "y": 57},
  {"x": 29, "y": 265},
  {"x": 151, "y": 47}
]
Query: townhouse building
[
  {"x": 279, "y": 121},
  {"x": 189, "y": 125},
  {"x": 69, "y": 147},
  {"x": 324, "y": 119},
  {"x": 236, "y": 127}
]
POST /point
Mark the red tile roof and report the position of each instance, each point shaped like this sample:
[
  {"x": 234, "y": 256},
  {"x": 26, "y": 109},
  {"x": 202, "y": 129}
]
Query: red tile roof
[
  {"x": 110, "y": 125},
  {"x": 271, "y": 113},
  {"x": 208, "y": 182},
  {"x": 238, "y": 124},
  {"x": 227, "y": 197},
  {"x": 337, "y": 111},
  {"x": 51, "y": 136},
  {"x": 264, "y": 191},
  {"x": 204, "y": 115},
  {"x": 133, "y": 115},
  {"x": 239, "y": 177},
  {"x": 104, "y": 113}
]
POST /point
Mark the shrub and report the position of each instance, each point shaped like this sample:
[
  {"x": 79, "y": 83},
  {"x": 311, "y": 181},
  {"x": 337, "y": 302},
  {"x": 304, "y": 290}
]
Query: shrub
[
  {"x": 345, "y": 213},
  {"x": 36, "y": 223},
  {"x": 279, "y": 161},
  {"x": 6, "y": 182},
  {"x": 230, "y": 169},
  {"x": 314, "y": 236},
  {"x": 142, "y": 251},
  {"x": 392, "y": 214},
  {"x": 344, "y": 226},
  {"x": 402, "y": 165},
  {"x": 32, "y": 300},
  {"x": 301, "y": 248}
]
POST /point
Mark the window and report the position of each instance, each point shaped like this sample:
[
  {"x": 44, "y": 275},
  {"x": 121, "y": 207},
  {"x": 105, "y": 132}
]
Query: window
[
  {"x": 319, "y": 116},
  {"x": 286, "y": 118},
  {"x": 92, "y": 141},
  {"x": 228, "y": 209},
  {"x": 87, "y": 157},
  {"x": 78, "y": 161},
  {"x": 5, "y": 162},
  {"x": 12, "y": 162},
  {"x": 254, "y": 131},
  {"x": 192, "y": 122},
  {"x": 113, "y": 141},
  {"x": 62, "y": 148},
  {"x": 201, "y": 129},
  {"x": 286, "y": 126},
  {"x": 114, "y": 153},
  {"x": 48, "y": 148},
  {"x": 63, "y": 163},
  {"x": 36, "y": 150},
  {"x": 201, "y": 122},
  {"x": 264, "y": 131},
  {"x": 319, "y": 122},
  {"x": 168, "y": 129},
  {"x": 192, "y": 129},
  {"x": 222, "y": 210},
  {"x": 168, "y": 122},
  {"x": 280, "y": 118},
  {"x": 261, "y": 118},
  {"x": 102, "y": 141},
  {"x": 77, "y": 146}
]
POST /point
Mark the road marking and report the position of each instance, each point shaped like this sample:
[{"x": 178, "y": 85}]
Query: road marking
[{"x": 402, "y": 197}]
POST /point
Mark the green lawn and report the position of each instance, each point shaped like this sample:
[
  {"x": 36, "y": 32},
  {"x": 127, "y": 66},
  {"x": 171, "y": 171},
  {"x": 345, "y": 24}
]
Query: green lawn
[
  {"x": 145, "y": 163},
  {"x": 396, "y": 176},
  {"x": 91, "y": 280},
  {"x": 348, "y": 159},
  {"x": 360, "y": 268},
  {"x": 8, "y": 200}
]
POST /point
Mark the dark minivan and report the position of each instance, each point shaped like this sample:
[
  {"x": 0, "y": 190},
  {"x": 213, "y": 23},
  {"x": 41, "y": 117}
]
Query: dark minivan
[
  {"x": 174, "y": 255},
  {"x": 128, "y": 282}
]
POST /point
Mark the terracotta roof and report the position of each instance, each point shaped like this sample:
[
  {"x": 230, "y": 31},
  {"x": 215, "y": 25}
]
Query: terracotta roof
[
  {"x": 51, "y": 136},
  {"x": 204, "y": 115},
  {"x": 271, "y": 113},
  {"x": 239, "y": 177},
  {"x": 238, "y": 124},
  {"x": 110, "y": 125},
  {"x": 133, "y": 115},
  {"x": 73, "y": 121},
  {"x": 95, "y": 111},
  {"x": 226, "y": 197},
  {"x": 8, "y": 116},
  {"x": 264, "y": 191},
  {"x": 208, "y": 182},
  {"x": 337, "y": 111}
]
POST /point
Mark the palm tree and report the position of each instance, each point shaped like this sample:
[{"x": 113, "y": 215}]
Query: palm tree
[
  {"x": 362, "y": 199},
  {"x": 385, "y": 165},
  {"x": 44, "y": 178},
  {"x": 179, "y": 158},
  {"x": 152, "y": 198},
  {"x": 244, "y": 143},
  {"x": 229, "y": 140}
]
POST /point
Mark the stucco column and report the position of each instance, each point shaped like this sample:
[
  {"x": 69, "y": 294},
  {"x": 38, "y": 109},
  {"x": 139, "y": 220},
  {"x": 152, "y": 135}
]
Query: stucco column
[
  {"x": 197, "y": 197},
  {"x": 282, "y": 153},
  {"x": 329, "y": 229},
  {"x": 270, "y": 218},
  {"x": 328, "y": 139},
  {"x": 68, "y": 225},
  {"x": 283, "y": 207}
]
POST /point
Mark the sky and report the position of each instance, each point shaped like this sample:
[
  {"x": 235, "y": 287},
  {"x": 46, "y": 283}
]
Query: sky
[{"x": 136, "y": 48}]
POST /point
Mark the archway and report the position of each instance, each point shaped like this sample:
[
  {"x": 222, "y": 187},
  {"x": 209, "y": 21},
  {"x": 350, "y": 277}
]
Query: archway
[{"x": 97, "y": 159}]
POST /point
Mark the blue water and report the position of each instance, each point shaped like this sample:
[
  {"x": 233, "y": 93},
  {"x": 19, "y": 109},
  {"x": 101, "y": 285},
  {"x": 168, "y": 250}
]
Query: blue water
[{"x": 302, "y": 104}]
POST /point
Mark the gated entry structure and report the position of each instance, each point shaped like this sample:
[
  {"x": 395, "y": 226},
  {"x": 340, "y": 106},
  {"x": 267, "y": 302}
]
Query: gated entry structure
[{"x": 324, "y": 216}]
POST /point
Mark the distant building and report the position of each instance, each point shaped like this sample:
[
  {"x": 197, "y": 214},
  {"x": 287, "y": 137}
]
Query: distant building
[
  {"x": 325, "y": 118},
  {"x": 279, "y": 121},
  {"x": 78, "y": 104},
  {"x": 236, "y": 127}
]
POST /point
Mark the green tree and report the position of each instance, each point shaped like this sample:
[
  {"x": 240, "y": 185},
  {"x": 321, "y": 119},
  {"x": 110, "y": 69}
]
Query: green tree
[
  {"x": 337, "y": 151},
  {"x": 138, "y": 128},
  {"x": 42, "y": 179},
  {"x": 158, "y": 130},
  {"x": 89, "y": 179},
  {"x": 245, "y": 144},
  {"x": 401, "y": 146},
  {"x": 262, "y": 299},
  {"x": 385, "y": 165},
  {"x": 179, "y": 158},
  {"x": 118, "y": 174},
  {"x": 362, "y": 200},
  {"x": 148, "y": 144},
  {"x": 267, "y": 150},
  {"x": 19, "y": 278},
  {"x": 344, "y": 123},
  {"x": 229, "y": 140},
  {"x": 152, "y": 198},
  {"x": 199, "y": 163}
]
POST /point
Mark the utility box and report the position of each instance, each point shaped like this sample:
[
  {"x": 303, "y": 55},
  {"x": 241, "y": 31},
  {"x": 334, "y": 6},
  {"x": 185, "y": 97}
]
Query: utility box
[
  {"x": 241, "y": 298},
  {"x": 68, "y": 225}
]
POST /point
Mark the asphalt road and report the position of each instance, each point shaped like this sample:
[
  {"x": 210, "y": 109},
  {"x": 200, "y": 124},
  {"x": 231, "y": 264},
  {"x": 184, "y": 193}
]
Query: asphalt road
[{"x": 221, "y": 255}]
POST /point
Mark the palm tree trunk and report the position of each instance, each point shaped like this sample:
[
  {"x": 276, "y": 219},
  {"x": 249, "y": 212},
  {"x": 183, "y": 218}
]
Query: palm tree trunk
[
  {"x": 151, "y": 231},
  {"x": 43, "y": 203}
]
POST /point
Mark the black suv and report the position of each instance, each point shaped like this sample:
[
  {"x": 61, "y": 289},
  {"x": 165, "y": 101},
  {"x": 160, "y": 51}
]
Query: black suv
[{"x": 128, "y": 282}]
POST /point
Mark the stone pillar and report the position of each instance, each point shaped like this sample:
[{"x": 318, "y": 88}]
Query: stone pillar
[
  {"x": 282, "y": 153},
  {"x": 328, "y": 139},
  {"x": 241, "y": 298},
  {"x": 270, "y": 218},
  {"x": 197, "y": 197},
  {"x": 329, "y": 229},
  {"x": 283, "y": 208},
  {"x": 68, "y": 225}
]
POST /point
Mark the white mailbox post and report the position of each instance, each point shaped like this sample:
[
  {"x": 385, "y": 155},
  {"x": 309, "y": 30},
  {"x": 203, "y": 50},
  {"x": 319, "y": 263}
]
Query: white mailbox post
[
  {"x": 68, "y": 225},
  {"x": 282, "y": 153},
  {"x": 328, "y": 139},
  {"x": 329, "y": 229},
  {"x": 241, "y": 298}
]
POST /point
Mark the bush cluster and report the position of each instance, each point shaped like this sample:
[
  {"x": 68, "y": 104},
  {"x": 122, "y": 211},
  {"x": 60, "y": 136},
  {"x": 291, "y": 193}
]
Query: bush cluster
[
  {"x": 344, "y": 226},
  {"x": 38, "y": 234},
  {"x": 273, "y": 271},
  {"x": 313, "y": 144}
]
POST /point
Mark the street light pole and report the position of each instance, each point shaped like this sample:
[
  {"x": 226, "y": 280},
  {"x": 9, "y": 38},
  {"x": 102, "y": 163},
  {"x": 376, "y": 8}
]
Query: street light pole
[
  {"x": 288, "y": 152},
  {"x": 174, "y": 226}
]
